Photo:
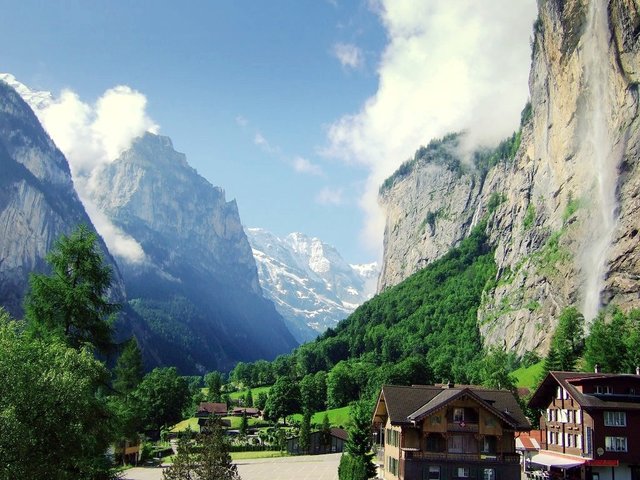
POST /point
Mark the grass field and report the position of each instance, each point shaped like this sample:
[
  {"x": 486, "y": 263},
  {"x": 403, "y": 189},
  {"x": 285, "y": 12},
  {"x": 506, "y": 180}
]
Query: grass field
[
  {"x": 338, "y": 417},
  {"x": 189, "y": 423},
  {"x": 528, "y": 377},
  {"x": 254, "y": 393}
]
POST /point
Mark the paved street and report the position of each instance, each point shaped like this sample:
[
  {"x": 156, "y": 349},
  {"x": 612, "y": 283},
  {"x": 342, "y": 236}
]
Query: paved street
[{"x": 304, "y": 467}]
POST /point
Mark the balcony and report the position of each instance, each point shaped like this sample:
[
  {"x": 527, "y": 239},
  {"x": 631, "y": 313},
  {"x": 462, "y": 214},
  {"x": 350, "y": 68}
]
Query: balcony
[
  {"x": 463, "y": 427},
  {"x": 509, "y": 458}
]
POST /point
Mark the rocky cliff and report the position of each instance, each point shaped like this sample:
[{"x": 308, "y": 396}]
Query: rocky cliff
[
  {"x": 197, "y": 287},
  {"x": 564, "y": 206},
  {"x": 312, "y": 286},
  {"x": 38, "y": 202}
]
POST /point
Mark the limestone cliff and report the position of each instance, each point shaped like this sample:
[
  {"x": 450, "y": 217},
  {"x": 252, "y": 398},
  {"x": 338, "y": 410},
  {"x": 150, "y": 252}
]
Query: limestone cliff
[
  {"x": 565, "y": 208},
  {"x": 38, "y": 202}
]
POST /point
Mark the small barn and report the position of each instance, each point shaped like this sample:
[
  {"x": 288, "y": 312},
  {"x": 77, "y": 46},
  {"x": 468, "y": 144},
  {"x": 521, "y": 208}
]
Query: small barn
[{"x": 320, "y": 442}]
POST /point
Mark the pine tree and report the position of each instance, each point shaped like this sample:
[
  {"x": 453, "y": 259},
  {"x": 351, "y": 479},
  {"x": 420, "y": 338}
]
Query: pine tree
[
  {"x": 129, "y": 369},
  {"x": 184, "y": 462},
  {"x": 244, "y": 424},
  {"x": 304, "y": 441},
  {"x": 72, "y": 302},
  {"x": 248, "y": 399},
  {"x": 359, "y": 464},
  {"x": 214, "y": 460}
]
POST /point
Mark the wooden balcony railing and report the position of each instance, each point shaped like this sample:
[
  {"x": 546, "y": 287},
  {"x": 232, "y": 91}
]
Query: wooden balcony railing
[{"x": 510, "y": 458}]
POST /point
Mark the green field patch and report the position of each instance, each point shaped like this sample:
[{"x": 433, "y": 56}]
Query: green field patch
[
  {"x": 528, "y": 376},
  {"x": 188, "y": 424},
  {"x": 338, "y": 417},
  {"x": 254, "y": 393}
]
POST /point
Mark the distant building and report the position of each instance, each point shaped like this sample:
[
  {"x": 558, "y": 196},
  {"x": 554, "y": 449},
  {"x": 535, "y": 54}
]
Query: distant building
[
  {"x": 590, "y": 424},
  {"x": 248, "y": 411},
  {"x": 320, "y": 443},
  {"x": 442, "y": 432},
  {"x": 206, "y": 409}
]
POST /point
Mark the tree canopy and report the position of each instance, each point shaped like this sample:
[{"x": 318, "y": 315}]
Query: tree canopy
[{"x": 53, "y": 424}]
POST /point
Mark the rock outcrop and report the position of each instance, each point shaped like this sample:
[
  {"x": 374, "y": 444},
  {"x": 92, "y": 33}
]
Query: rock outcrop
[{"x": 564, "y": 210}]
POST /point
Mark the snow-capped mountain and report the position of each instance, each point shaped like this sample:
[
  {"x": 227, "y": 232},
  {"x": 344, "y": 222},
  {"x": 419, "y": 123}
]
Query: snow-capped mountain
[
  {"x": 312, "y": 286},
  {"x": 34, "y": 98}
]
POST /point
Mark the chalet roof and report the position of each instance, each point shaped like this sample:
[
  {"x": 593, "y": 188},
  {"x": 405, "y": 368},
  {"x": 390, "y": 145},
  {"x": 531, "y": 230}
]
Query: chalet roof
[
  {"x": 407, "y": 404},
  {"x": 571, "y": 380},
  {"x": 212, "y": 407},
  {"x": 340, "y": 433}
]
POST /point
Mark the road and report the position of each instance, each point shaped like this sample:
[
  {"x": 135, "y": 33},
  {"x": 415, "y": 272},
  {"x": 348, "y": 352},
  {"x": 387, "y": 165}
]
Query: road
[{"x": 303, "y": 467}]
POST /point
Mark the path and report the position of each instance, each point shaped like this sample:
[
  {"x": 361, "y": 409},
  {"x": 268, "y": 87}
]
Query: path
[{"x": 303, "y": 467}]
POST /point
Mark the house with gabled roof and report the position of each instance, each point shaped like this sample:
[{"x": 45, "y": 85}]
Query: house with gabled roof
[
  {"x": 442, "y": 432},
  {"x": 205, "y": 409},
  {"x": 590, "y": 424}
]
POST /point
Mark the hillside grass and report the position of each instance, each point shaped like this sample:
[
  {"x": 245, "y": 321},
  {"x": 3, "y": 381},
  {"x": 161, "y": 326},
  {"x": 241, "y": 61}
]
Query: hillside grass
[
  {"x": 338, "y": 417},
  {"x": 188, "y": 424},
  {"x": 528, "y": 376},
  {"x": 254, "y": 392},
  {"x": 263, "y": 454}
]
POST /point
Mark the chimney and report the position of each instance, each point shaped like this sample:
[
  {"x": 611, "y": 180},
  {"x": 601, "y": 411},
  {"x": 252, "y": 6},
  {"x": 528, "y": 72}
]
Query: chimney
[{"x": 597, "y": 369}]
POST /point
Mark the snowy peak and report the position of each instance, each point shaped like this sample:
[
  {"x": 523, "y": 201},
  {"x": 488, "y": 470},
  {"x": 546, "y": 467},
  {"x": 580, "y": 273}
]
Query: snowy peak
[
  {"x": 312, "y": 286},
  {"x": 35, "y": 99}
]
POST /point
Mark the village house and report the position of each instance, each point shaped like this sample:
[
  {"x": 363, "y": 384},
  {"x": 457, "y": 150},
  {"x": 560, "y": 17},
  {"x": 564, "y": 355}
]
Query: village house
[
  {"x": 590, "y": 424},
  {"x": 442, "y": 432},
  {"x": 205, "y": 409}
]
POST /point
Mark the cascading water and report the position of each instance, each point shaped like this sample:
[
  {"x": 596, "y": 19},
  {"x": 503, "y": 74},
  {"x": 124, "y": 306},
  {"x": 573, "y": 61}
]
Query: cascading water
[{"x": 597, "y": 151}]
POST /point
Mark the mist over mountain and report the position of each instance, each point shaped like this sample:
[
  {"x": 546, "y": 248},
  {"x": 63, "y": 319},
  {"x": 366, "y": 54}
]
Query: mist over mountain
[
  {"x": 193, "y": 296},
  {"x": 312, "y": 286},
  {"x": 38, "y": 202}
]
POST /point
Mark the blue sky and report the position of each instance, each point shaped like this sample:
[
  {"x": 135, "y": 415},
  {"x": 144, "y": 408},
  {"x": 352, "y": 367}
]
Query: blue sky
[{"x": 297, "y": 108}]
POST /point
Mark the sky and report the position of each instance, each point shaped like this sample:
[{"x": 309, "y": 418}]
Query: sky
[{"x": 298, "y": 109}]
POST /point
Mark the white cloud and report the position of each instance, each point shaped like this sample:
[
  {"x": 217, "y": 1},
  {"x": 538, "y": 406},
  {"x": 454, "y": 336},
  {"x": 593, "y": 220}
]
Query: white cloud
[
  {"x": 448, "y": 66},
  {"x": 91, "y": 136},
  {"x": 330, "y": 196},
  {"x": 241, "y": 121},
  {"x": 302, "y": 165},
  {"x": 348, "y": 55}
]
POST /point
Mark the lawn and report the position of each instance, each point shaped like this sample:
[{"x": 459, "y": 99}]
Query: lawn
[
  {"x": 254, "y": 393},
  {"x": 189, "y": 423},
  {"x": 338, "y": 417},
  {"x": 528, "y": 376}
]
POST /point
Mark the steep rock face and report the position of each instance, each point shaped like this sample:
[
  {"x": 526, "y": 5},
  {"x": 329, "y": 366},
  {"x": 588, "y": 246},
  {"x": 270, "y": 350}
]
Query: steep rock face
[
  {"x": 311, "y": 285},
  {"x": 38, "y": 202},
  {"x": 565, "y": 230},
  {"x": 429, "y": 209},
  {"x": 197, "y": 287}
]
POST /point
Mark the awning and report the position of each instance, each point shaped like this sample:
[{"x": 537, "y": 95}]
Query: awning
[{"x": 560, "y": 461}]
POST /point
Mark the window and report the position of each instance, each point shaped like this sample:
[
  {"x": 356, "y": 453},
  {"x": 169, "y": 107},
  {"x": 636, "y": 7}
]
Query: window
[
  {"x": 578, "y": 441},
  {"x": 463, "y": 472},
  {"x": 434, "y": 472},
  {"x": 455, "y": 443},
  {"x": 489, "y": 474},
  {"x": 615, "y": 444},
  {"x": 435, "y": 443},
  {"x": 559, "y": 392},
  {"x": 606, "y": 389},
  {"x": 569, "y": 439},
  {"x": 392, "y": 465},
  {"x": 615, "y": 419},
  {"x": 578, "y": 417},
  {"x": 458, "y": 414},
  {"x": 392, "y": 437},
  {"x": 548, "y": 415},
  {"x": 563, "y": 415},
  {"x": 489, "y": 444}
]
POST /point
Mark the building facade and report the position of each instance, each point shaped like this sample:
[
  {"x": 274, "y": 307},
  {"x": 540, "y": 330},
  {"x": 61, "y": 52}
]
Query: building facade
[
  {"x": 442, "y": 432},
  {"x": 590, "y": 424}
]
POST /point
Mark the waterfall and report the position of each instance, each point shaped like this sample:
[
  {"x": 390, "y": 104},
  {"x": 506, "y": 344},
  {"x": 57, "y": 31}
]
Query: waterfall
[{"x": 597, "y": 151}]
